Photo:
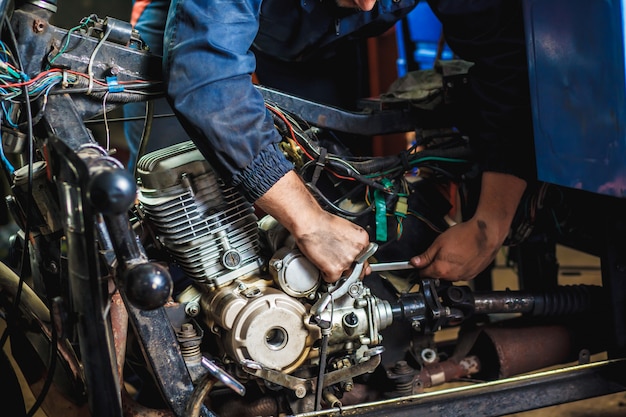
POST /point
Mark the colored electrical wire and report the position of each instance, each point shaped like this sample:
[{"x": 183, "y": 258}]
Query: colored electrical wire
[
  {"x": 83, "y": 25},
  {"x": 440, "y": 159}
]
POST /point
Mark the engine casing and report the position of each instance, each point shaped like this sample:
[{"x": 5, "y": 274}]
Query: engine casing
[{"x": 259, "y": 310}]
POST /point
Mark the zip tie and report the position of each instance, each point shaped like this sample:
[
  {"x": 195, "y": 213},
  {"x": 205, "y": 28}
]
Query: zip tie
[{"x": 319, "y": 165}]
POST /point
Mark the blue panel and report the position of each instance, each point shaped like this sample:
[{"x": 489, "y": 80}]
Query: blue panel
[
  {"x": 425, "y": 31},
  {"x": 577, "y": 80}
]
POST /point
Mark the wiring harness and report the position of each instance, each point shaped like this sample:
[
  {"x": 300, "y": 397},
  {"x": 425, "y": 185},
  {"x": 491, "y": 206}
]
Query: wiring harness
[{"x": 442, "y": 155}]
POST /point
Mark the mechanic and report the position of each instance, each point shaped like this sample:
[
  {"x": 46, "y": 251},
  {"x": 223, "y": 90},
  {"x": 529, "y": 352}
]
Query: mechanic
[
  {"x": 489, "y": 33},
  {"x": 258, "y": 167},
  {"x": 307, "y": 37},
  {"x": 208, "y": 69}
]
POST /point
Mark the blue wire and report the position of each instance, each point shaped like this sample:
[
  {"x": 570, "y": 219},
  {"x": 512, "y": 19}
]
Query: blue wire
[{"x": 5, "y": 161}]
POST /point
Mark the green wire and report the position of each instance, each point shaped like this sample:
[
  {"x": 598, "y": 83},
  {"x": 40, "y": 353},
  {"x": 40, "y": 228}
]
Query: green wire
[
  {"x": 418, "y": 161},
  {"x": 68, "y": 37}
]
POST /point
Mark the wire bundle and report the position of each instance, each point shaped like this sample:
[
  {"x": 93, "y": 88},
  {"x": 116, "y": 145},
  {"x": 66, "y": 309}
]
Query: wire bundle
[{"x": 443, "y": 156}]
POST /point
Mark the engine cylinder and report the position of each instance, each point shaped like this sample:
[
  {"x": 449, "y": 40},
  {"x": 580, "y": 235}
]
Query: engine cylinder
[{"x": 209, "y": 228}]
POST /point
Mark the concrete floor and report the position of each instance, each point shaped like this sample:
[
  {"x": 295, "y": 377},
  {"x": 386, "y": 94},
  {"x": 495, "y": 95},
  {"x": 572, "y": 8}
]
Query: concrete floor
[{"x": 576, "y": 268}]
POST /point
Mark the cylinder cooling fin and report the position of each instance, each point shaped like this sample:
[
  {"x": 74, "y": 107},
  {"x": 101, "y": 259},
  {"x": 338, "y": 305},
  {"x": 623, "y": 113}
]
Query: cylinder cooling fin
[{"x": 209, "y": 229}]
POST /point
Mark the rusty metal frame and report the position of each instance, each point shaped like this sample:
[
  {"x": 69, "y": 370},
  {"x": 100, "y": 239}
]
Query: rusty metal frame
[{"x": 502, "y": 397}]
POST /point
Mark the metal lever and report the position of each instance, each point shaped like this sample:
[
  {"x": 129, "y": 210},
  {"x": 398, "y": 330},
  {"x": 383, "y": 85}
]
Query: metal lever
[
  {"x": 341, "y": 287},
  {"x": 224, "y": 377}
]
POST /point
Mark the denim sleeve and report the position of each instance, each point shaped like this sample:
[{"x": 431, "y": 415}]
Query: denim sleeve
[{"x": 207, "y": 71}]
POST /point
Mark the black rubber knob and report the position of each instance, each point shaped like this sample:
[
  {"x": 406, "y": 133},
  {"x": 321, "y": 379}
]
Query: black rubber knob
[
  {"x": 148, "y": 286},
  {"x": 112, "y": 191}
]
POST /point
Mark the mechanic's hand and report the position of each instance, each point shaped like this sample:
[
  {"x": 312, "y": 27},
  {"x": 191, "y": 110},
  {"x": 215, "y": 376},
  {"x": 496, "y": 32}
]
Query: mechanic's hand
[
  {"x": 330, "y": 242},
  {"x": 466, "y": 249},
  {"x": 332, "y": 245},
  {"x": 460, "y": 253}
]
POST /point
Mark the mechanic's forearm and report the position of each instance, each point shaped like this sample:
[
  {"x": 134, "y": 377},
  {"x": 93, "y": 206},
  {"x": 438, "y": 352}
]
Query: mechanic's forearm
[
  {"x": 291, "y": 203},
  {"x": 331, "y": 242},
  {"x": 499, "y": 198}
]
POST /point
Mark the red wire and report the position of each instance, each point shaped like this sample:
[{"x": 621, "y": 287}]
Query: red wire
[
  {"x": 44, "y": 73},
  {"x": 293, "y": 136}
]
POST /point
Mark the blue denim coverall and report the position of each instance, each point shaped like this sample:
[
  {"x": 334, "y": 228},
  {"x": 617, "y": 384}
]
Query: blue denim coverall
[
  {"x": 208, "y": 67},
  {"x": 207, "y": 70}
]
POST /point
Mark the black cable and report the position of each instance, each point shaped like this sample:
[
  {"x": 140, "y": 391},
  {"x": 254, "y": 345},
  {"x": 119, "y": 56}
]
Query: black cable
[
  {"x": 129, "y": 119},
  {"x": 322, "y": 371},
  {"x": 52, "y": 363},
  {"x": 145, "y": 134},
  {"x": 329, "y": 204}
]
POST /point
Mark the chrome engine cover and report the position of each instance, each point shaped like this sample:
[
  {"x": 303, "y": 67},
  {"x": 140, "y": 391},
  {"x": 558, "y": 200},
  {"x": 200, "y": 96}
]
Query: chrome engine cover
[{"x": 261, "y": 324}]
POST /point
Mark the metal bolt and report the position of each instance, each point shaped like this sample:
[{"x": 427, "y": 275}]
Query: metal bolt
[
  {"x": 300, "y": 391},
  {"x": 348, "y": 386},
  {"x": 192, "y": 309},
  {"x": 39, "y": 25},
  {"x": 277, "y": 264},
  {"x": 355, "y": 290},
  {"x": 187, "y": 330},
  {"x": 417, "y": 326}
]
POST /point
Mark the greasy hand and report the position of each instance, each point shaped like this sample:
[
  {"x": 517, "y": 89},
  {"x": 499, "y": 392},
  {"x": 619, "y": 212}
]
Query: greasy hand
[
  {"x": 332, "y": 245},
  {"x": 466, "y": 249},
  {"x": 458, "y": 254},
  {"x": 330, "y": 242}
]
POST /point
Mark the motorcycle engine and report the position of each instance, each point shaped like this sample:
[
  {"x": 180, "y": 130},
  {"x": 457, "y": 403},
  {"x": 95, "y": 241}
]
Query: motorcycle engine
[{"x": 255, "y": 288}]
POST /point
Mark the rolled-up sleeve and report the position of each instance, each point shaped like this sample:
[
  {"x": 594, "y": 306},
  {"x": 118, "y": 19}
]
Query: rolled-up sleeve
[{"x": 207, "y": 71}]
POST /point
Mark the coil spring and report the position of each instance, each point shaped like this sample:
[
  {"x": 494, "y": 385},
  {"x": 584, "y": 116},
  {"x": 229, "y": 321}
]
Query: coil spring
[{"x": 189, "y": 341}]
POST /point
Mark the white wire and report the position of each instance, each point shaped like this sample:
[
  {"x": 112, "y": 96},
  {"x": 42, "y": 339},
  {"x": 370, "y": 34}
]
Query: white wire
[
  {"x": 92, "y": 58},
  {"x": 106, "y": 122}
]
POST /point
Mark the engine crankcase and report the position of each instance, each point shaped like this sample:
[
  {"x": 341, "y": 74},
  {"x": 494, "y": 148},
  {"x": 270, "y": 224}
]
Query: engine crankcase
[{"x": 262, "y": 324}]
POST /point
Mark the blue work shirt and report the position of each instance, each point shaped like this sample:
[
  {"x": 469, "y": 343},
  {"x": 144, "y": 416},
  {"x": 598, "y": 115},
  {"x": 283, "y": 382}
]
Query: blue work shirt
[
  {"x": 305, "y": 30},
  {"x": 207, "y": 71},
  {"x": 208, "y": 66}
]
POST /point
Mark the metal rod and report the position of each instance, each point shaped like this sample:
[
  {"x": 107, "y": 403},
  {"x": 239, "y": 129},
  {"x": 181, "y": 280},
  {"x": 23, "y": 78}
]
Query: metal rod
[{"x": 497, "y": 398}]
